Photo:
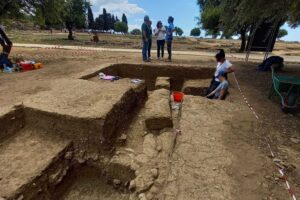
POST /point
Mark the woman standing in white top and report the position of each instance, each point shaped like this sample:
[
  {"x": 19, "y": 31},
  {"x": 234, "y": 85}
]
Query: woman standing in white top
[{"x": 160, "y": 33}]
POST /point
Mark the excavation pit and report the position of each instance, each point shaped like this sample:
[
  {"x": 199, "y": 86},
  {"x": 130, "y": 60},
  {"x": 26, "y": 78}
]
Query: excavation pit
[
  {"x": 50, "y": 145},
  {"x": 152, "y": 74}
]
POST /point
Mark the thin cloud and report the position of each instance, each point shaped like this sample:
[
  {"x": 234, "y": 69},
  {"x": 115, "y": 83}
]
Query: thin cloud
[{"x": 116, "y": 7}]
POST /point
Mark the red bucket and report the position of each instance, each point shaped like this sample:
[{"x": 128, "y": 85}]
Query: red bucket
[
  {"x": 178, "y": 96},
  {"x": 26, "y": 66}
]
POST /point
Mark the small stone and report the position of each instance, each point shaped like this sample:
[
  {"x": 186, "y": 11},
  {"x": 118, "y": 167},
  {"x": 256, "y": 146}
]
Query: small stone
[
  {"x": 94, "y": 157},
  {"x": 81, "y": 160},
  {"x": 159, "y": 148},
  {"x": 145, "y": 133},
  {"x": 142, "y": 196},
  {"x": 264, "y": 185},
  {"x": 116, "y": 182},
  {"x": 154, "y": 173},
  {"x": 132, "y": 185},
  {"x": 20, "y": 197},
  {"x": 276, "y": 160},
  {"x": 149, "y": 196},
  {"x": 126, "y": 184},
  {"x": 122, "y": 139},
  {"x": 267, "y": 177},
  {"x": 214, "y": 168},
  {"x": 154, "y": 190},
  {"x": 295, "y": 140}
]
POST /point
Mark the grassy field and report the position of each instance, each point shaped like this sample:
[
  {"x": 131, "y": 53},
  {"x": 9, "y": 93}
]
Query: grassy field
[{"x": 134, "y": 42}]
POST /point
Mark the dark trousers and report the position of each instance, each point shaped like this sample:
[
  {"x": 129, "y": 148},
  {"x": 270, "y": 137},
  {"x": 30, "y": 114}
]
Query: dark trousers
[
  {"x": 5, "y": 42},
  {"x": 145, "y": 50},
  {"x": 169, "y": 46},
  {"x": 160, "y": 48},
  {"x": 149, "y": 48},
  {"x": 213, "y": 85}
]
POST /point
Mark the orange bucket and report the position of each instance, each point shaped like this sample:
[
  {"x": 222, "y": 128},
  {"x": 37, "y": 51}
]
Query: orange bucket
[{"x": 178, "y": 96}]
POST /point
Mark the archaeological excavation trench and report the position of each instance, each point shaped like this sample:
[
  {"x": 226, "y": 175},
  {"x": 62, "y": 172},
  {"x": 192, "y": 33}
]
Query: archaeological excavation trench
[{"x": 88, "y": 138}]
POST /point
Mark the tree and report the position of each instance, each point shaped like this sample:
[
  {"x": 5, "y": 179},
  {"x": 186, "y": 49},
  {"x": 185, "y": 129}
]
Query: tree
[
  {"x": 211, "y": 11},
  {"x": 90, "y": 17},
  {"x": 113, "y": 21},
  {"x": 178, "y": 31},
  {"x": 136, "y": 32},
  {"x": 121, "y": 27},
  {"x": 16, "y": 9},
  {"x": 196, "y": 32},
  {"x": 105, "y": 20},
  {"x": 74, "y": 15},
  {"x": 124, "y": 19},
  {"x": 49, "y": 13},
  {"x": 99, "y": 23},
  {"x": 282, "y": 33},
  {"x": 117, "y": 19}
]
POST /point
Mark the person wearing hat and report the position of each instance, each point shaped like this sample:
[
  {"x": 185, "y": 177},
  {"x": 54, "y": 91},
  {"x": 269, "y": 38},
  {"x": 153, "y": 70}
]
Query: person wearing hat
[
  {"x": 221, "y": 91},
  {"x": 160, "y": 32},
  {"x": 223, "y": 66},
  {"x": 146, "y": 34}
]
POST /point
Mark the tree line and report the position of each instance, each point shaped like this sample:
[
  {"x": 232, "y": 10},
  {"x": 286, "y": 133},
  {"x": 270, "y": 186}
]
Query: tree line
[
  {"x": 69, "y": 14},
  {"x": 107, "y": 21},
  {"x": 237, "y": 17}
]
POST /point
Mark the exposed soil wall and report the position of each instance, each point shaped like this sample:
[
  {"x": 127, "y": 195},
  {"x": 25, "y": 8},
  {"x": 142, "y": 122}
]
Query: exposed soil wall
[
  {"x": 11, "y": 122},
  {"x": 151, "y": 72}
]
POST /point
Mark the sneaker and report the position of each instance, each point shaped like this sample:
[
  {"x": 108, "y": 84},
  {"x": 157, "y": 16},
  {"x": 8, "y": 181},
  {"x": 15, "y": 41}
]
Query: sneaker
[{"x": 146, "y": 60}]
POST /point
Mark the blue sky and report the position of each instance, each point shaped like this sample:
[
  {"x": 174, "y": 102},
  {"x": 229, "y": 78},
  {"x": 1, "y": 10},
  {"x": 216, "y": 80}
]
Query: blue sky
[{"x": 183, "y": 11}]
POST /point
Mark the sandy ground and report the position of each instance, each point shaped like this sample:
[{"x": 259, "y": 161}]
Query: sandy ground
[{"x": 243, "y": 157}]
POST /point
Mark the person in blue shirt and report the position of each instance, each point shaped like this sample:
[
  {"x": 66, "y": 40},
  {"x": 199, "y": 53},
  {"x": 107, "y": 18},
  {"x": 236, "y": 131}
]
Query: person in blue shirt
[{"x": 169, "y": 36}]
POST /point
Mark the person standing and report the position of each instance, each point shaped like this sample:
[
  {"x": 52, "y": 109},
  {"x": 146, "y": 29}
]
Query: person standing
[
  {"x": 5, "y": 42},
  {"x": 169, "y": 36},
  {"x": 150, "y": 40},
  {"x": 145, "y": 38},
  {"x": 160, "y": 33}
]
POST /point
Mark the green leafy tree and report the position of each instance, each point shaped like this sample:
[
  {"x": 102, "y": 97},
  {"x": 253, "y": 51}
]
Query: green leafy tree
[
  {"x": 136, "y": 32},
  {"x": 282, "y": 33},
  {"x": 211, "y": 11},
  {"x": 121, "y": 27},
  {"x": 90, "y": 17},
  {"x": 178, "y": 31},
  {"x": 196, "y": 32},
  {"x": 74, "y": 15},
  {"x": 17, "y": 9},
  {"x": 124, "y": 19}
]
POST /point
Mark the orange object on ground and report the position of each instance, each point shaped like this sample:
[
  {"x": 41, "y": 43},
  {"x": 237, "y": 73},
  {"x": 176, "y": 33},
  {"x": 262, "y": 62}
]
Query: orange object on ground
[
  {"x": 37, "y": 65},
  {"x": 178, "y": 96}
]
